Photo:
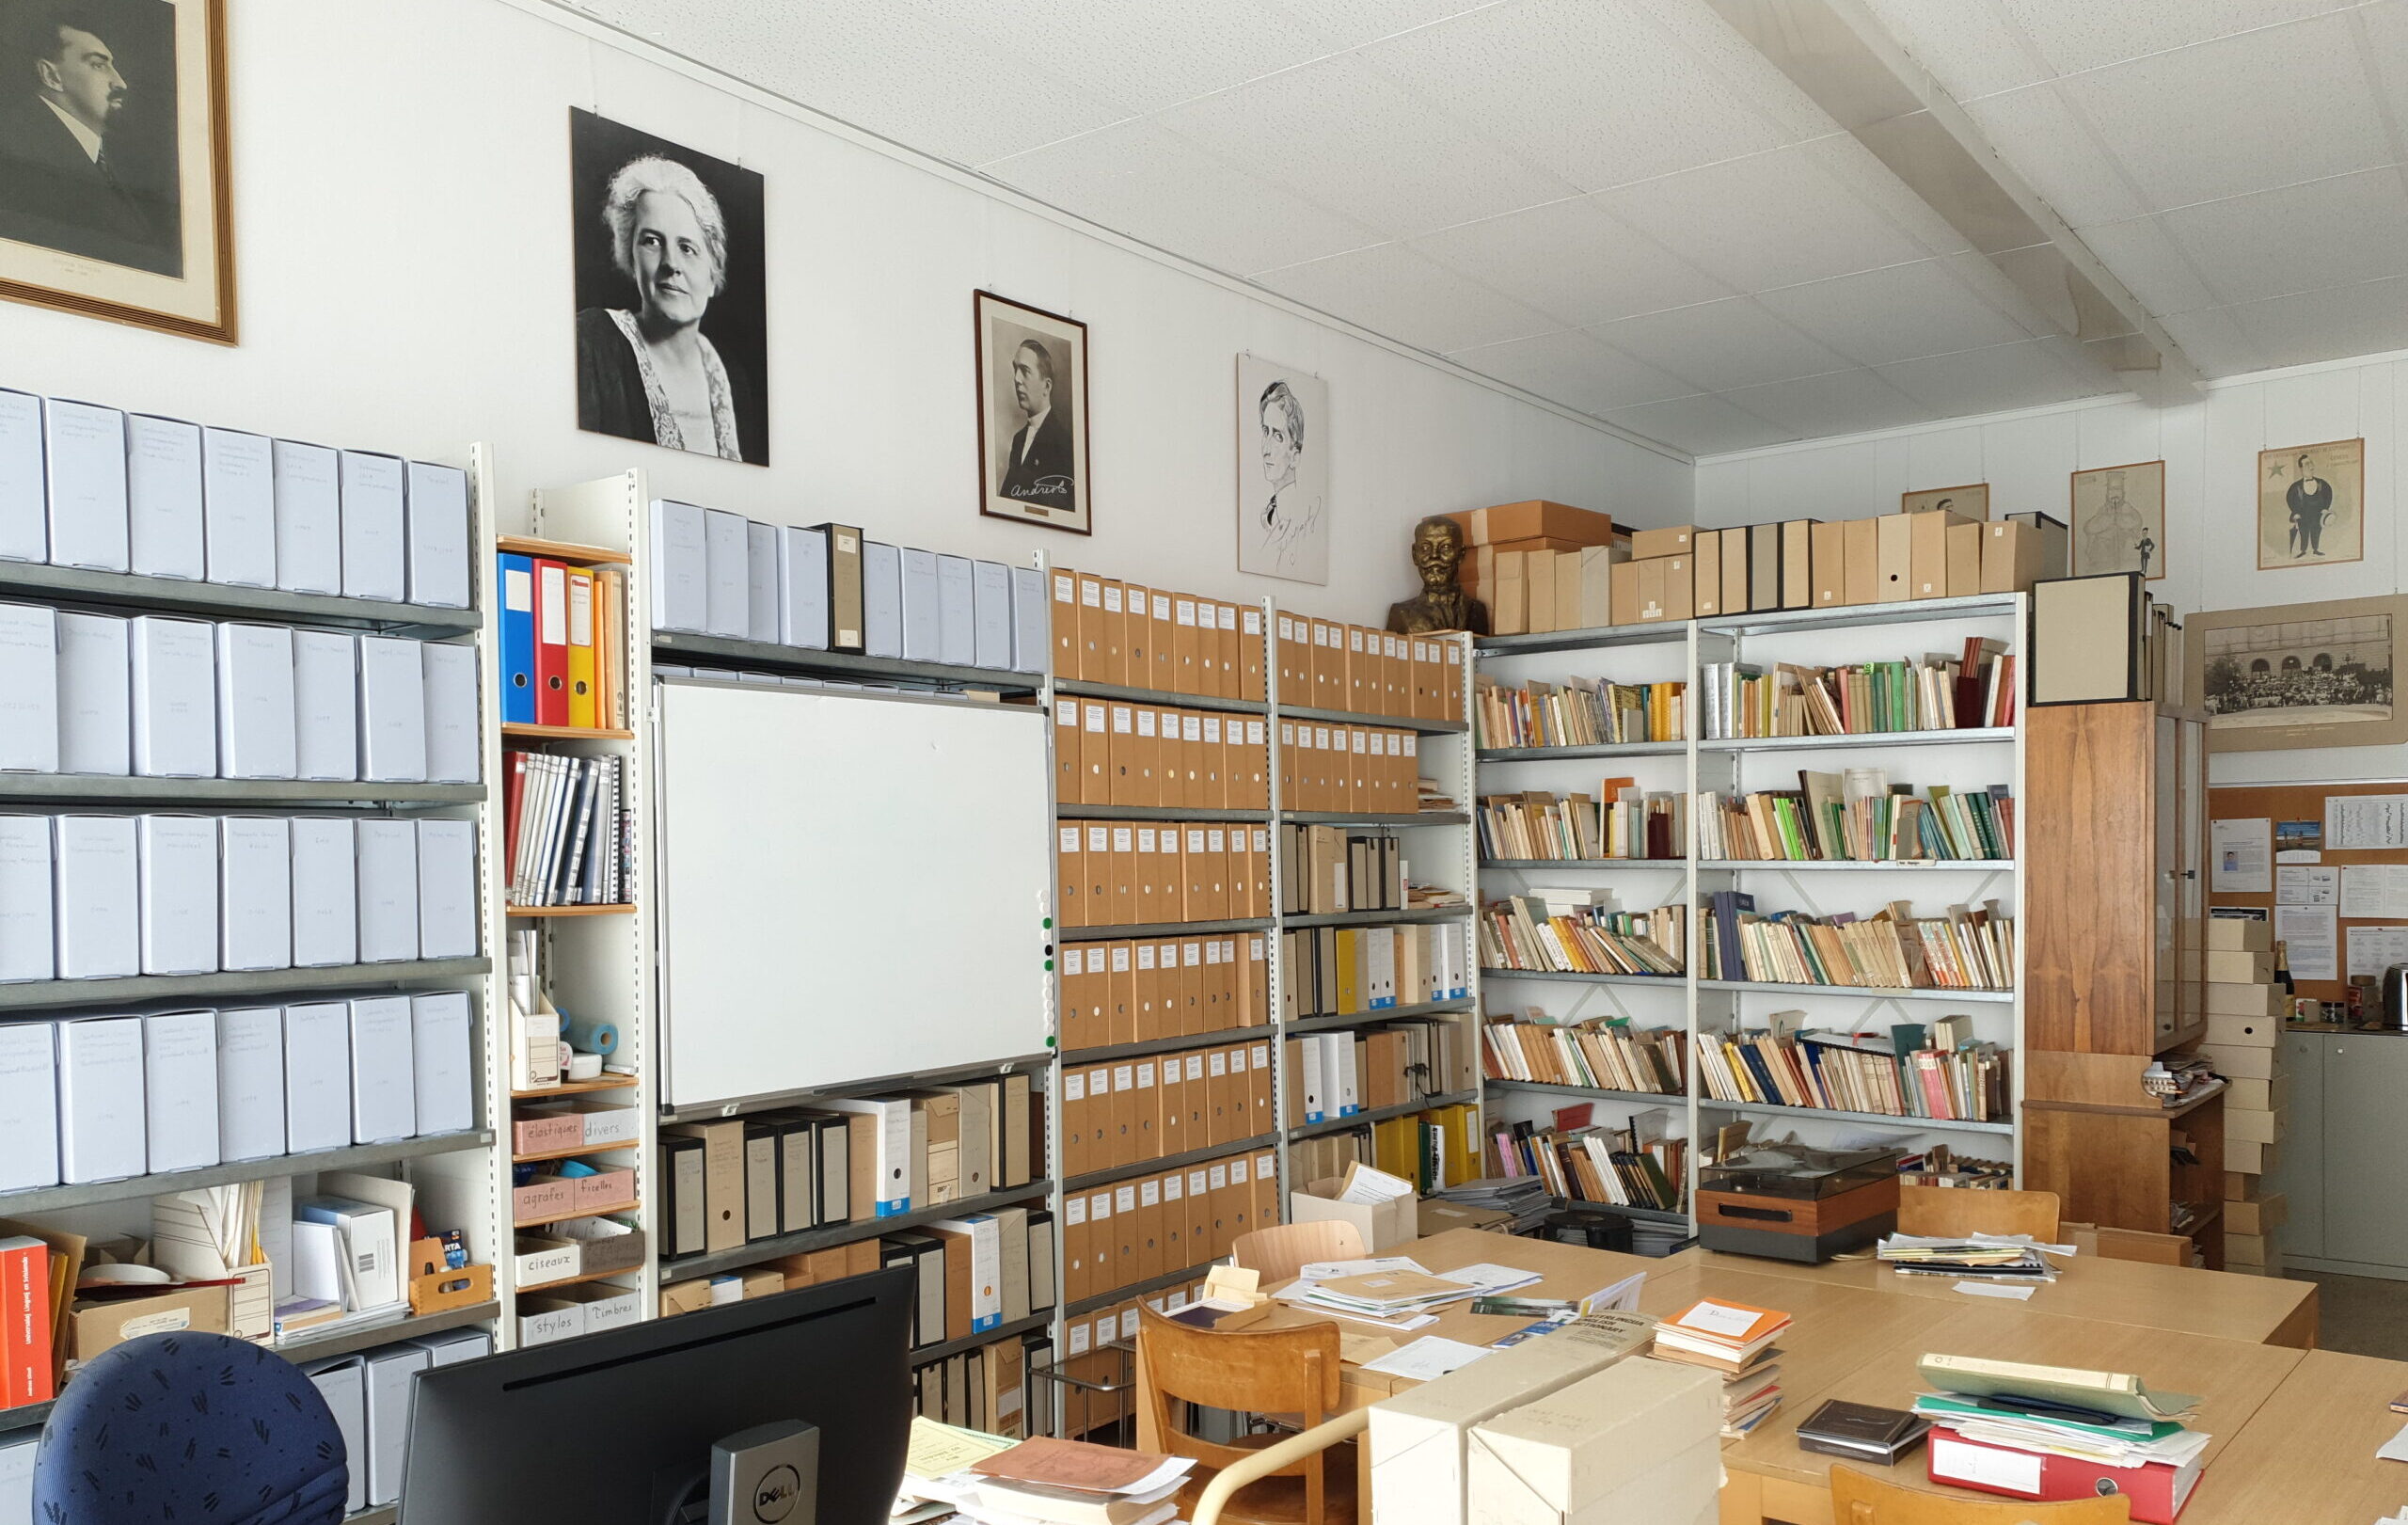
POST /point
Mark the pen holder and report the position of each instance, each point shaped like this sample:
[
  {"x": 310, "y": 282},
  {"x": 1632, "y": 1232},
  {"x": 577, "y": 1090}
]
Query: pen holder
[{"x": 438, "y": 1291}]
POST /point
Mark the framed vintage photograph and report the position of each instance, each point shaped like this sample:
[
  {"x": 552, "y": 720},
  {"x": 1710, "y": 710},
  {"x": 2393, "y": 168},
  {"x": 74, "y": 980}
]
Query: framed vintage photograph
[
  {"x": 1031, "y": 415},
  {"x": 2299, "y": 675},
  {"x": 2311, "y": 502},
  {"x": 115, "y": 197},
  {"x": 1973, "y": 499},
  {"x": 1283, "y": 471},
  {"x": 672, "y": 322},
  {"x": 2119, "y": 519}
]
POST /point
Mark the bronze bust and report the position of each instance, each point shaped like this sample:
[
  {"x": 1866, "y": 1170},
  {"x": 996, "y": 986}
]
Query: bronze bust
[{"x": 1442, "y": 604}]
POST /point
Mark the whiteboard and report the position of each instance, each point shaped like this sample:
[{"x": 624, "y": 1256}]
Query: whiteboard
[{"x": 851, "y": 886}]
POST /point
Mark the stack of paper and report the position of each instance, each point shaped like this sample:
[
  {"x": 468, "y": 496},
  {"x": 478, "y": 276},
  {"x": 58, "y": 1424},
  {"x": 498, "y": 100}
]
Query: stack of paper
[
  {"x": 1736, "y": 1339},
  {"x": 936, "y": 1475},
  {"x": 2074, "y": 1427},
  {"x": 1395, "y": 1291},
  {"x": 1049, "y": 1481},
  {"x": 2016, "y": 1258}
]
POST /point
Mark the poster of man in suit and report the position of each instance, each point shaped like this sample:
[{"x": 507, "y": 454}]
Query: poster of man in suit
[
  {"x": 1031, "y": 415},
  {"x": 2310, "y": 504},
  {"x": 112, "y": 160}
]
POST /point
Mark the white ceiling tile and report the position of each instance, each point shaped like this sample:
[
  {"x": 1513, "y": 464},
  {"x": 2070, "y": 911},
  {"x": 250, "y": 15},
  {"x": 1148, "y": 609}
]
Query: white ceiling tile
[
  {"x": 1528, "y": 75},
  {"x": 1965, "y": 44},
  {"x": 2328, "y": 325},
  {"x": 1406, "y": 295},
  {"x": 1702, "y": 426},
  {"x": 2037, "y": 134},
  {"x": 1342, "y": 24},
  {"x": 2212, "y": 339},
  {"x": 1144, "y": 57},
  {"x": 1858, "y": 168},
  {"x": 1343, "y": 136},
  {"x": 1894, "y": 314},
  {"x": 2239, "y": 115},
  {"x": 2022, "y": 374},
  {"x": 1696, "y": 25},
  {"x": 1844, "y": 401},
  {"x": 1136, "y": 178},
  {"x": 1574, "y": 370},
  {"x": 2326, "y": 232},
  {"x": 2387, "y": 43},
  {"x": 2075, "y": 35},
  {"x": 1773, "y": 220},
  {"x": 1720, "y": 345},
  {"x": 1572, "y": 261},
  {"x": 1983, "y": 277},
  {"x": 2146, "y": 260}
]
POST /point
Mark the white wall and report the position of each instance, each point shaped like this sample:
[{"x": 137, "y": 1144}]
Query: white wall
[
  {"x": 400, "y": 179},
  {"x": 2210, "y": 447}
]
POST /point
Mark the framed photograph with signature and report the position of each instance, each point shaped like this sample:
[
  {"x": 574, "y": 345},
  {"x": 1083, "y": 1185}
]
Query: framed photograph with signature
[
  {"x": 1031, "y": 415},
  {"x": 115, "y": 191},
  {"x": 1283, "y": 471}
]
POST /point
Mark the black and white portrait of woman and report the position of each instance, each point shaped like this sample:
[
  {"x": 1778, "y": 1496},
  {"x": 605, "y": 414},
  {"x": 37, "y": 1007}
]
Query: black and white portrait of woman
[
  {"x": 1283, "y": 471},
  {"x": 672, "y": 343}
]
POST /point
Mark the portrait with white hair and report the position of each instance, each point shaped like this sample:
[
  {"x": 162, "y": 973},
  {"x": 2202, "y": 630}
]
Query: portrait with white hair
[
  {"x": 1283, "y": 471},
  {"x": 672, "y": 316}
]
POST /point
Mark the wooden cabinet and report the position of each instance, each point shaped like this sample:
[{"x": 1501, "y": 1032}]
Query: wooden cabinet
[
  {"x": 2346, "y": 1154},
  {"x": 2113, "y": 835}
]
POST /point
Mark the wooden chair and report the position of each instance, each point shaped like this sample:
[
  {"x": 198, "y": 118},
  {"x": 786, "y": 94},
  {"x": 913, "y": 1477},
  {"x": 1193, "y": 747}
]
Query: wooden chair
[
  {"x": 1950, "y": 1212},
  {"x": 1861, "y": 1498},
  {"x": 1278, "y": 1253},
  {"x": 1292, "y": 1370}
]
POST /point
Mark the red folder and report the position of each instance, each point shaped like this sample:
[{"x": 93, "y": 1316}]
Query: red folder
[
  {"x": 551, "y": 642},
  {"x": 2157, "y": 1490}
]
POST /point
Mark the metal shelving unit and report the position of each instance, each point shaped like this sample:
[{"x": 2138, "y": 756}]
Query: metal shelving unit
[
  {"x": 1168, "y": 1163},
  {"x": 1340, "y": 817},
  {"x": 1163, "y": 928},
  {"x": 1430, "y": 916},
  {"x": 734, "y": 656},
  {"x": 134, "y": 1188},
  {"x": 1161, "y": 697},
  {"x": 143, "y": 989},
  {"x": 1176, "y": 1044},
  {"x": 1420, "y": 726},
  {"x": 686, "y": 1268},
  {"x": 116, "y": 789},
  {"x": 931, "y": 1354},
  {"x": 223, "y": 600},
  {"x": 1878, "y": 1119},
  {"x": 1365, "y": 1119}
]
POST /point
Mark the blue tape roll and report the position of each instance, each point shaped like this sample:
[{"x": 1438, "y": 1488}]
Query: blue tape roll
[{"x": 589, "y": 1036}]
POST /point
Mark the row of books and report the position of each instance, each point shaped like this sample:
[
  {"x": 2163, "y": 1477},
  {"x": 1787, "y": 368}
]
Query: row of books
[
  {"x": 988, "y": 1389},
  {"x": 1622, "y": 820},
  {"x": 570, "y": 837},
  {"x": 1857, "y": 817},
  {"x": 564, "y": 654},
  {"x": 1605, "y": 1052},
  {"x": 1933, "y": 693},
  {"x": 1892, "y": 948},
  {"x": 1326, "y": 871},
  {"x": 1434, "y": 1149},
  {"x": 1624, "y": 1167},
  {"x": 1344, "y": 1075},
  {"x": 1939, "y": 1072},
  {"x": 1343, "y": 971},
  {"x": 1738, "y": 1342},
  {"x": 1550, "y": 932},
  {"x": 1579, "y": 712}
]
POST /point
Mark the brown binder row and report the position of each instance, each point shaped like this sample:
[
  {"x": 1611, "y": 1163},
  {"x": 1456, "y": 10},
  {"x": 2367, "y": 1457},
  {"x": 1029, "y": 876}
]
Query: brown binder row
[
  {"x": 1136, "y": 874},
  {"x": 1685, "y": 572},
  {"x": 1137, "y": 1230},
  {"x": 1349, "y": 970},
  {"x": 1129, "y": 1111},
  {"x": 1327, "y": 664},
  {"x": 1113, "y": 751},
  {"x": 1135, "y": 637},
  {"x": 1142, "y": 990},
  {"x": 767, "y": 1279},
  {"x": 1324, "y": 871},
  {"x": 1365, "y": 768},
  {"x": 990, "y": 1389}
]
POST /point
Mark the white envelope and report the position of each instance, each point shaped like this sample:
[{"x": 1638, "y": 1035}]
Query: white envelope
[
  {"x": 163, "y": 497},
  {"x": 250, "y": 1083},
  {"x": 238, "y": 508},
  {"x": 454, "y": 749},
  {"x": 325, "y": 893},
  {"x": 28, "y": 688},
  {"x": 317, "y": 1076},
  {"x": 255, "y": 892},
  {"x": 255, "y": 702},
  {"x": 308, "y": 518},
  {"x": 28, "y": 936},
  {"x": 392, "y": 710},
  {"x": 180, "y": 1087},
  {"x": 179, "y": 856},
  {"x": 438, "y": 535},
  {"x": 86, "y": 456},
  {"x": 374, "y": 557},
  {"x": 388, "y": 858},
  {"x": 95, "y": 694},
  {"x": 175, "y": 697},
  {"x": 97, "y": 903},
  {"x": 28, "y": 1106},
  {"x": 325, "y": 705},
  {"x": 25, "y": 530}
]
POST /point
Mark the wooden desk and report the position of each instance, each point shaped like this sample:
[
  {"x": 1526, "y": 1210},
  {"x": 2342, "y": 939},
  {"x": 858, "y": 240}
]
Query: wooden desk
[
  {"x": 2233, "y": 1378},
  {"x": 2309, "y": 1453},
  {"x": 2220, "y": 1304}
]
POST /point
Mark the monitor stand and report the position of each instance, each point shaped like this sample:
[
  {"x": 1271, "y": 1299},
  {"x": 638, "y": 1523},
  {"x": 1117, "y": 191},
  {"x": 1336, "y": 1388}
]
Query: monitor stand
[{"x": 766, "y": 1475}]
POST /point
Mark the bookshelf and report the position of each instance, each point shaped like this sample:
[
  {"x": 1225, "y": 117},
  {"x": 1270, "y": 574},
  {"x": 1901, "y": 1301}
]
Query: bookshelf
[
  {"x": 1692, "y": 763},
  {"x": 119, "y": 1207}
]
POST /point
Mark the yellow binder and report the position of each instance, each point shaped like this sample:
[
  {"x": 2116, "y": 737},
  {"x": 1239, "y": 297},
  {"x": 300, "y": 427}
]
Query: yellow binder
[{"x": 581, "y": 647}]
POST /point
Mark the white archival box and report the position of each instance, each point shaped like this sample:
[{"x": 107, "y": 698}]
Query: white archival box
[{"x": 848, "y": 882}]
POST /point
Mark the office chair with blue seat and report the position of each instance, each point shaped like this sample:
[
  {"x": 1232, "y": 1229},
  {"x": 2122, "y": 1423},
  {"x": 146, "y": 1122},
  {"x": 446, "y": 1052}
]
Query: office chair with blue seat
[{"x": 190, "y": 1427}]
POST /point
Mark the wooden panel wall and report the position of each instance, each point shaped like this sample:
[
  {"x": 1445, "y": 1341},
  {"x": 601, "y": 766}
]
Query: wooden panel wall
[{"x": 2089, "y": 862}]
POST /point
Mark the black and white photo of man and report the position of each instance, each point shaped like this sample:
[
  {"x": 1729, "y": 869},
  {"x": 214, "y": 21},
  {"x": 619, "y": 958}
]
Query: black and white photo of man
[
  {"x": 87, "y": 131},
  {"x": 1031, "y": 415},
  {"x": 2310, "y": 504},
  {"x": 1283, "y": 525}
]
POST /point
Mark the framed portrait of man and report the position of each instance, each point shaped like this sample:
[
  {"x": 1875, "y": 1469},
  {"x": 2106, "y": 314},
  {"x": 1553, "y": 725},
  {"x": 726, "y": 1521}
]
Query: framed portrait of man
[
  {"x": 114, "y": 198},
  {"x": 672, "y": 328},
  {"x": 2119, "y": 519},
  {"x": 1283, "y": 471},
  {"x": 2311, "y": 502},
  {"x": 1031, "y": 415}
]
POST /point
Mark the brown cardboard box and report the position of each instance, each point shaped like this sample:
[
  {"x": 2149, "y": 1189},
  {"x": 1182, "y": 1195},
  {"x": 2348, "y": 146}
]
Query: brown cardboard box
[
  {"x": 1964, "y": 558},
  {"x": 1624, "y": 603},
  {"x": 1093, "y": 646},
  {"x": 1930, "y": 533},
  {"x": 1065, "y": 622},
  {"x": 1647, "y": 591},
  {"x": 1826, "y": 573},
  {"x": 1860, "y": 557},
  {"x": 1672, "y": 540},
  {"x": 1735, "y": 553},
  {"x": 723, "y": 1177},
  {"x": 1798, "y": 564},
  {"x": 1707, "y": 599},
  {"x": 2012, "y": 557},
  {"x": 1537, "y": 517},
  {"x": 1567, "y": 594},
  {"x": 1538, "y": 591},
  {"x": 1508, "y": 605},
  {"x": 1897, "y": 542},
  {"x": 1597, "y": 563},
  {"x": 99, "y": 1326},
  {"x": 1680, "y": 587}
]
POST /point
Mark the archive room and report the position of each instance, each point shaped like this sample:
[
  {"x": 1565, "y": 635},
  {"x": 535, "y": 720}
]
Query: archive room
[{"x": 1260, "y": 762}]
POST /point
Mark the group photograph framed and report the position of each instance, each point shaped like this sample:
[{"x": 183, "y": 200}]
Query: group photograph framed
[
  {"x": 1031, "y": 368},
  {"x": 2117, "y": 513},
  {"x": 670, "y": 265},
  {"x": 115, "y": 194},
  {"x": 1972, "y": 499},
  {"x": 1283, "y": 471},
  {"x": 2299, "y": 675},
  {"x": 2311, "y": 504}
]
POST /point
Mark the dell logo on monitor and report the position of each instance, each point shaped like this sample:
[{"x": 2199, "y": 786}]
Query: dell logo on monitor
[{"x": 775, "y": 1498}]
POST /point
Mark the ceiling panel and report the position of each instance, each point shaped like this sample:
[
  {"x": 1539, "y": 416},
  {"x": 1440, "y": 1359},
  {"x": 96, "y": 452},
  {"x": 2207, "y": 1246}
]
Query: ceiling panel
[
  {"x": 1574, "y": 261},
  {"x": 2073, "y": 38},
  {"x": 1771, "y": 219},
  {"x": 2024, "y": 375},
  {"x": 1894, "y": 314},
  {"x": 2036, "y": 131},
  {"x": 1343, "y": 24},
  {"x": 2316, "y": 325},
  {"x": 2146, "y": 258},
  {"x": 1407, "y": 296},
  {"x": 2215, "y": 341},
  {"x": 1968, "y": 47},
  {"x": 1575, "y": 370},
  {"x": 1705, "y": 424},
  {"x": 1143, "y": 57},
  {"x": 1720, "y": 345},
  {"x": 1843, "y": 402},
  {"x": 2326, "y": 232}
]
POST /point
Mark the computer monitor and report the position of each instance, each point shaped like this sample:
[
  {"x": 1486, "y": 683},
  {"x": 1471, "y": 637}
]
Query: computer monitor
[{"x": 618, "y": 1428}]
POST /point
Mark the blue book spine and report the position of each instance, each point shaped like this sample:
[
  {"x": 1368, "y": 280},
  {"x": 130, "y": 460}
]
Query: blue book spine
[{"x": 519, "y": 640}]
